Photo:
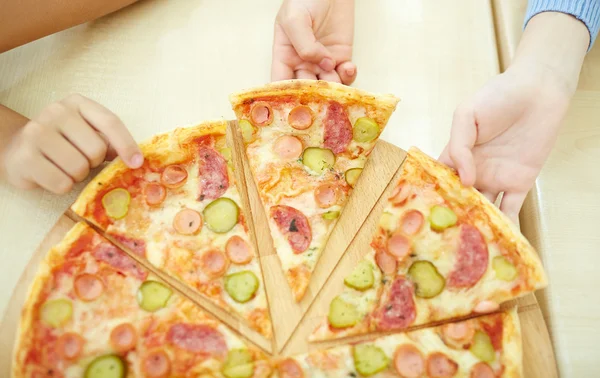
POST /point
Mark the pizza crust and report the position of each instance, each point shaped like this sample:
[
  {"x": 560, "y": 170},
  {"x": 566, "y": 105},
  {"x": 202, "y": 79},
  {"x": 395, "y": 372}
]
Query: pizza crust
[{"x": 512, "y": 348}]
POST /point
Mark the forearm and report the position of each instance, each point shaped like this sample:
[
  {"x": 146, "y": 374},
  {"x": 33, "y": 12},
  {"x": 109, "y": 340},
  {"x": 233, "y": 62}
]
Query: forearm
[
  {"x": 10, "y": 123},
  {"x": 24, "y": 21}
]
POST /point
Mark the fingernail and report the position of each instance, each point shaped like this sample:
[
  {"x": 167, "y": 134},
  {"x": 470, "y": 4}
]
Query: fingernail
[
  {"x": 350, "y": 71},
  {"x": 137, "y": 160},
  {"x": 327, "y": 64}
]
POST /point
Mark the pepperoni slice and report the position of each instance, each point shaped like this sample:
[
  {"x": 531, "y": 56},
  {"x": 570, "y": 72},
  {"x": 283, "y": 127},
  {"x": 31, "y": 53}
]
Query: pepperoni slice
[
  {"x": 301, "y": 117},
  {"x": 400, "y": 194},
  {"x": 173, "y": 176},
  {"x": 386, "y": 262},
  {"x": 293, "y": 224},
  {"x": 289, "y": 368},
  {"x": 288, "y": 147},
  {"x": 409, "y": 361},
  {"x": 482, "y": 370},
  {"x": 134, "y": 245},
  {"x": 88, "y": 287},
  {"x": 412, "y": 222},
  {"x": 441, "y": 366},
  {"x": 326, "y": 195},
  {"x": 154, "y": 193},
  {"x": 69, "y": 345},
  {"x": 399, "y": 311},
  {"x": 197, "y": 338},
  {"x": 338, "y": 129},
  {"x": 398, "y": 246},
  {"x": 213, "y": 178},
  {"x": 214, "y": 263},
  {"x": 120, "y": 261},
  {"x": 472, "y": 258},
  {"x": 238, "y": 250},
  {"x": 187, "y": 222},
  {"x": 484, "y": 307},
  {"x": 462, "y": 331},
  {"x": 123, "y": 337},
  {"x": 156, "y": 365},
  {"x": 261, "y": 114}
]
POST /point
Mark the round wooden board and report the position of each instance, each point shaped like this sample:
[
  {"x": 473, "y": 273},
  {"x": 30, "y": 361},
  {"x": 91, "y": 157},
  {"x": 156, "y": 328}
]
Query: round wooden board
[{"x": 293, "y": 321}]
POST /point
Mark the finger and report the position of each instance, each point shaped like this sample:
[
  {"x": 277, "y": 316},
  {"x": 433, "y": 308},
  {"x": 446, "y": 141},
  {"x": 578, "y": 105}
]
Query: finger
[
  {"x": 110, "y": 125},
  {"x": 330, "y": 76},
  {"x": 512, "y": 203},
  {"x": 87, "y": 140},
  {"x": 304, "y": 74},
  {"x": 347, "y": 72},
  {"x": 281, "y": 71},
  {"x": 65, "y": 156},
  {"x": 445, "y": 158},
  {"x": 299, "y": 30},
  {"x": 48, "y": 176},
  {"x": 462, "y": 139}
]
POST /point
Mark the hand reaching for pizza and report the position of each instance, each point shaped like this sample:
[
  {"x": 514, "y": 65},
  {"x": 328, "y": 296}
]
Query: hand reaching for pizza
[
  {"x": 313, "y": 40},
  {"x": 67, "y": 139},
  {"x": 502, "y": 136}
]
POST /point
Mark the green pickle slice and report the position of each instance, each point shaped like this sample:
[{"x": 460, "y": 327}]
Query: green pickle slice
[
  {"x": 365, "y": 130},
  {"x": 441, "y": 218},
  {"x": 352, "y": 176},
  {"x": 342, "y": 314},
  {"x": 247, "y": 130},
  {"x": 57, "y": 312},
  {"x": 362, "y": 277},
  {"x": 109, "y": 366},
  {"x": 221, "y": 215},
  {"x": 239, "y": 364},
  {"x": 369, "y": 359},
  {"x": 318, "y": 159},
  {"x": 482, "y": 347},
  {"x": 241, "y": 286},
  {"x": 504, "y": 269},
  {"x": 428, "y": 281},
  {"x": 330, "y": 215},
  {"x": 153, "y": 295},
  {"x": 116, "y": 203},
  {"x": 226, "y": 152}
]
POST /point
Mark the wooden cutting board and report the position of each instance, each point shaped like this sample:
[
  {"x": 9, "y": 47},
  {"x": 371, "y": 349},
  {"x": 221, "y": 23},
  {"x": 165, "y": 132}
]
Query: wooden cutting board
[{"x": 294, "y": 321}]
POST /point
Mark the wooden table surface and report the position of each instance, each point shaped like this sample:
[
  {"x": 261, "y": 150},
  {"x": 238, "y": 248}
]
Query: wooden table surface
[{"x": 161, "y": 64}]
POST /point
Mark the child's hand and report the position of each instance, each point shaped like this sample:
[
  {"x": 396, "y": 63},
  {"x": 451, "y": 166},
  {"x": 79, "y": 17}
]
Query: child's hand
[
  {"x": 61, "y": 145},
  {"x": 313, "y": 40}
]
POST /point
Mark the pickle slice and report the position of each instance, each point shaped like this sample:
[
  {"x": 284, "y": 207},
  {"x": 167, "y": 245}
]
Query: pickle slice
[
  {"x": 369, "y": 359},
  {"x": 109, "y": 366},
  {"x": 318, "y": 159},
  {"x": 362, "y": 277},
  {"x": 504, "y": 269},
  {"x": 342, "y": 314},
  {"x": 428, "y": 281},
  {"x": 441, "y": 218},
  {"x": 385, "y": 221},
  {"x": 116, "y": 203},
  {"x": 330, "y": 215},
  {"x": 241, "y": 286},
  {"x": 57, "y": 312},
  {"x": 352, "y": 176},
  {"x": 365, "y": 130},
  {"x": 221, "y": 215},
  {"x": 153, "y": 295},
  {"x": 226, "y": 153},
  {"x": 247, "y": 130},
  {"x": 239, "y": 364},
  {"x": 482, "y": 347}
]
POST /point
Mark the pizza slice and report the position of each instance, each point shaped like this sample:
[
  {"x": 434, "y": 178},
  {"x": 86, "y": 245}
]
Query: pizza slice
[
  {"x": 440, "y": 251},
  {"x": 181, "y": 211},
  {"x": 307, "y": 142},
  {"x": 485, "y": 347},
  {"x": 92, "y": 311}
]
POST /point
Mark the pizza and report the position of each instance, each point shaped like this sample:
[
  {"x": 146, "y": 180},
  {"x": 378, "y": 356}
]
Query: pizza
[
  {"x": 440, "y": 251},
  {"x": 94, "y": 312},
  {"x": 182, "y": 212},
  {"x": 307, "y": 142},
  {"x": 485, "y": 347}
]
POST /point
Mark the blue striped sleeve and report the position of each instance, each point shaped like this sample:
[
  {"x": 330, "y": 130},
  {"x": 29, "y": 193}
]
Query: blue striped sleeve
[{"x": 586, "y": 11}]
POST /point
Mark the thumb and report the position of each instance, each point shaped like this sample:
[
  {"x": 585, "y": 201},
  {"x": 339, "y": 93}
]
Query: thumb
[
  {"x": 462, "y": 140},
  {"x": 299, "y": 30}
]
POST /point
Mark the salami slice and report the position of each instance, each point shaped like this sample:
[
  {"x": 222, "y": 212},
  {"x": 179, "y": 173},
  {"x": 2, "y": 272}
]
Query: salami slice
[
  {"x": 472, "y": 258},
  {"x": 338, "y": 130},
  {"x": 197, "y": 338},
  {"x": 112, "y": 256},
  {"x": 212, "y": 171},
  {"x": 399, "y": 311},
  {"x": 134, "y": 245},
  {"x": 294, "y": 225}
]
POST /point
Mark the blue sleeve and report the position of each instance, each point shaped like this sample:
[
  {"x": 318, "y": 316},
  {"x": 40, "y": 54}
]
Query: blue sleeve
[{"x": 586, "y": 11}]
